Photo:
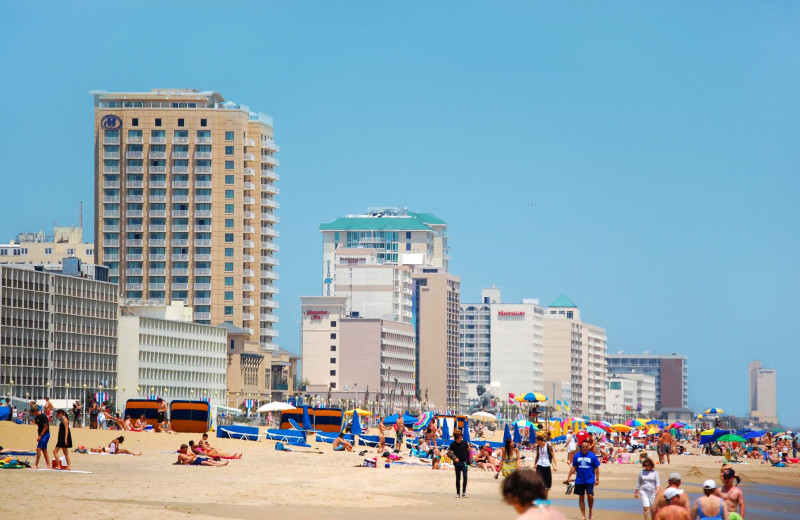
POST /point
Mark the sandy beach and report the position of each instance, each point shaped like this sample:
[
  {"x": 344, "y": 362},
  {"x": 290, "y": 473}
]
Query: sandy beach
[{"x": 306, "y": 483}]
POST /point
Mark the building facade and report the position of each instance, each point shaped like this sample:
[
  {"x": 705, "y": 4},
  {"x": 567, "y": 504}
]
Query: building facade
[
  {"x": 47, "y": 250},
  {"x": 630, "y": 394},
  {"x": 185, "y": 208},
  {"x": 671, "y": 373},
  {"x": 58, "y": 335},
  {"x": 575, "y": 351},
  {"x": 763, "y": 394},
  {"x": 162, "y": 352}
]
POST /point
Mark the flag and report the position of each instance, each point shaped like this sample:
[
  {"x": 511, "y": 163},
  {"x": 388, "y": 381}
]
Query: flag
[
  {"x": 153, "y": 397},
  {"x": 249, "y": 403},
  {"x": 511, "y": 396},
  {"x": 510, "y": 400},
  {"x": 628, "y": 408},
  {"x": 566, "y": 406},
  {"x": 101, "y": 397},
  {"x": 558, "y": 407},
  {"x": 206, "y": 399}
]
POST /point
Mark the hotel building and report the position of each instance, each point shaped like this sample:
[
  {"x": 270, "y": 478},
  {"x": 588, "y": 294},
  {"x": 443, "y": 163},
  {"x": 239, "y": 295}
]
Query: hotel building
[
  {"x": 58, "y": 334},
  {"x": 48, "y": 250},
  {"x": 575, "y": 351},
  {"x": 185, "y": 204},
  {"x": 763, "y": 394},
  {"x": 671, "y": 373}
]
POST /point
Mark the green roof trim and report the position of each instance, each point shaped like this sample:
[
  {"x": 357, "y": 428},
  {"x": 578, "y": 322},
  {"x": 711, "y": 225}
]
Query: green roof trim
[
  {"x": 429, "y": 218},
  {"x": 375, "y": 224},
  {"x": 563, "y": 301}
]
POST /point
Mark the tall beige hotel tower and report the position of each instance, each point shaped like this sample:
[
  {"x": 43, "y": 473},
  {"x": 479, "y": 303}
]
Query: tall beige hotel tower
[{"x": 185, "y": 204}]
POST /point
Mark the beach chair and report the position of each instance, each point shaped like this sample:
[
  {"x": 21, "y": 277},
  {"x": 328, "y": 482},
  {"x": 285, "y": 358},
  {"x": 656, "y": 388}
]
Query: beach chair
[
  {"x": 239, "y": 432},
  {"x": 372, "y": 441}
]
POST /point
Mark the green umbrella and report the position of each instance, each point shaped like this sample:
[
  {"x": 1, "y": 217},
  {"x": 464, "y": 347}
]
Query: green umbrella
[{"x": 729, "y": 437}]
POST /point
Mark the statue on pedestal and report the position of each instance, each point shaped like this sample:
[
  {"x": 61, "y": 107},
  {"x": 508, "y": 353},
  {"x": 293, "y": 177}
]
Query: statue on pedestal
[{"x": 485, "y": 402}]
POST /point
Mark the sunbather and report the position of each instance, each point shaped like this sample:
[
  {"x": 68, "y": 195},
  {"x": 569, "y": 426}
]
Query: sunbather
[
  {"x": 114, "y": 449},
  {"x": 340, "y": 444},
  {"x": 214, "y": 452},
  {"x": 141, "y": 423},
  {"x": 190, "y": 459},
  {"x": 127, "y": 425}
]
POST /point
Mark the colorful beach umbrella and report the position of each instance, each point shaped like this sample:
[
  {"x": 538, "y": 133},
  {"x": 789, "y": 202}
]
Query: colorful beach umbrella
[
  {"x": 635, "y": 423},
  {"x": 655, "y": 422},
  {"x": 601, "y": 425},
  {"x": 714, "y": 411},
  {"x": 423, "y": 421},
  {"x": 595, "y": 429},
  {"x": 621, "y": 428},
  {"x": 677, "y": 425},
  {"x": 730, "y": 437},
  {"x": 520, "y": 398},
  {"x": 360, "y": 411},
  {"x": 355, "y": 429},
  {"x": 535, "y": 397},
  {"x": 653, "y": 430},
  {"x": 699, "y": 416},
  {"x": 483, "y": 416},
  {"x": 524, "y": 423}
]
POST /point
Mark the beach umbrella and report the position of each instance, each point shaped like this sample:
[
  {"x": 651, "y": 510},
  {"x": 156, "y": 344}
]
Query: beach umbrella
[
  {"x": 355, "y": 428},
  {"x": 423, "y": 421},
  {"x": 711, "y": 435},
  {"x": 595, "y": 429},
  {"x": 754, "y": 435},
  {"x": 392, "y": 419},
  {"x": 656, "y": 423},
  {"x": 653, "y": 430},
  {"x": 621, "y": 428},
  {"x": 483, "y": 416},
  {"x": 639, "y": 433},
  {"x": 306, "y": 419},
  {"x": 445, "y": 431},
  {"x": 465, "y": 433},
  {"x": 275, "y": 407},
  {"x": 520, "y": 398},
  {"x": 506, "y": 433},
  {"x": 699, "y": 416},
  {"x": 360, "y": 411},
  {"x": 517, "y": 436},
  {"x": 677, "y": 425},
  {"x": 524, "y": 423},
  {"x": 535, "y": 397},
  {"x": 729, "y": 437},
  {"x": 714, "y": 410},
  {"x": 635, "y": 423},
  {"x": 601, "y": 425}
]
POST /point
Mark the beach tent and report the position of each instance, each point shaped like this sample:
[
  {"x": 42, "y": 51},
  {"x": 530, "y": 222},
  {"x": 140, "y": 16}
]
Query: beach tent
[
  {"x": 135, "y": 408},
  {"x": 190, "y": 416},
  {"x": 328, "y": 420}
]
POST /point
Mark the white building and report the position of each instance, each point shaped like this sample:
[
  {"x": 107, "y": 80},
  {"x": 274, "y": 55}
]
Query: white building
[
  {"x": 575, "y": 351},
  {"x": 763, "y": 394},
  {"x": 501, "y": 344},
  {"x": 163, "y": 353},
  {"x": 630, "y": 393}
]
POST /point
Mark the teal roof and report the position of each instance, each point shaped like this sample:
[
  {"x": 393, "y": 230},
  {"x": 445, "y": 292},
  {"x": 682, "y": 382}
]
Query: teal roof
[
  {"x": 563, "y": 301},
  {"x": 375, "y": 224},
  {"x": 429, "y": 218}
]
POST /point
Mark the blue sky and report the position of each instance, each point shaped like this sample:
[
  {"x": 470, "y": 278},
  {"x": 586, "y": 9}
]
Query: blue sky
[{"x": 641, "y": 159}]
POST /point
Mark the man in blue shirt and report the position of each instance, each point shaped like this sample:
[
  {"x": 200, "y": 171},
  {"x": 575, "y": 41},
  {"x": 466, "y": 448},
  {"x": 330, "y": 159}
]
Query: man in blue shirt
[{"x": 586, "y": 468}]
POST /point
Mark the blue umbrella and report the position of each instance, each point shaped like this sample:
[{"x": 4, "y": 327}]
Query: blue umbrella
[
  {"x": 391, "y": 419},
  {"x": 355, "y": 429},
  {"x": 306, "y": 419},
  {"x": 506, "y": 434},
  {"x": 445, "y": 431},
  {"x": 517, "y": 436},
  {"x": 466, "y": 433}
]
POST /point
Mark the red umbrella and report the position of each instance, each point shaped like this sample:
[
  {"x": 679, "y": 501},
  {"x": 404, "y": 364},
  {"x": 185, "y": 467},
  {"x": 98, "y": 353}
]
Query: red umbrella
[
  {"x": 676, "y": 425},
  {"x": 602, "y": 425}
]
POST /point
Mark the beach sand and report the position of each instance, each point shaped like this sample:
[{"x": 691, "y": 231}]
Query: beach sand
[{"x": 304, "y": 484}]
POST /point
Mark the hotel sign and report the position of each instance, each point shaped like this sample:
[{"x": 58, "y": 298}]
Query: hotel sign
[
  {"x": 111, "y": 122},
  {"x": 352, "y": 260},
  {"x": 511, "y": 313},
  {"x": 316, "y": 315}
]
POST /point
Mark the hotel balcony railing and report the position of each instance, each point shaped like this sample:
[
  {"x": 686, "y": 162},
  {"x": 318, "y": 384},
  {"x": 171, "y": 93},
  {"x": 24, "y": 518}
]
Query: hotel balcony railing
[
  {"x": 110, "y": 169},
  {"x": 202, "y": 140},
  {"x": 110, "y": 155},
  {"x": 111, "y": 258},
  {"x": 202, "y": 169},
  {"x": 157, "y": 198},
  {"x": 202, "y": 155},
  {"x": 249, "y": 244},
  {"x": 202, "y": 287},
  {"x": 202, "y": 315},
  {"x": 111, "y": 199},
  {"x": 269, "y": 217},
  {"x": 134, "y": 198},
  {"x": 268, "y": 317},
  {"x": 134, "y": 213},
  {"x": 111, "y": 228},
  {"x": 180, "y": 242},
  {"x": 133, "y": 272},
  {"x": 270, "y": 232},
  {"x": 202, "y": 213},
  {"x": 134, "y": 227},
  {"x": 202, "y": 301},
  {"x": 202, "y": 184},
  {"x": 156, "y": 286},
  {"x": 270, "y": 174},
  {"x": 268, "y": 259},
  {"x": 180, "y": 155},
  {"x": 157, "y": 155},
  {"x": 158, "y": 140},
  {"x": 202, "y": 242},
  {"x": 157, "y": 272},
  {"x": 180, "y": 258},
  {"x": 202, "y": 198},
  {"x": 133, "y": 287},
  {"x": 134, "y": 184},
  {"x": 180, "y": 212},
  {"x": 248, "y": 273},
  {"x": 133, "y": 242},
  {"x": 249, "y": 200},
  {"x": 270, "y": 203},
  {"x": 111, "y": 140},
  {"x": 249, "y": 229},
  {"x": 134, "y": 169},
  {"x": 249, "y": 186},
  {"x": 157, "y": 242},
  {"x": 180, "y": 271},
  {"x": 157, "y": 184},
  {"x": 269, "y": 289},
  {"x": 158, "y": 227},
  {"x": 202, "y": 257},
  {"x": 180, "y": 198},
  {"x": 180, "y": 169},
  {"x": 180, "y": 286},
  {"x": 269, "y": 275},
  {"x": 181, "y": 184},
  {"x": 248, "y": 287},
  {"x": 249, "y": 215},
  {"x": 269, "y": 188},
  {"x": 132, "y": 154},
  {"x": 157, "y": 169},
  {"x": 180, "y": 227},
  {"x": 180, "y": 140},
  {"x": 249, "y": 171},
  {"x": 249, "y": 142},
  {"x": 134, "y": 139},
  {"x": 202, "y": 271},
  {"x": 246, "y": 316},
  {"x": 268, "y": 159},
  {"x": 269, "y": 144},
  {"x": 111, "y": 242},
  {"x": 249, "y": 157},
  {"x": 248, "y": 259}
]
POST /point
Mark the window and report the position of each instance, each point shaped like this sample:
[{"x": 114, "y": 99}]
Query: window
[
  {"x": 180, "y": 121},
  {"x": 135, "y": 121},
  {"x": 229, "y": 150},
  {"x": 228, "y": 295},
  {"x": 89, "y": 252},
  {"x": 229, "y": 252},
  {"x": 228, "y": 165},
  {"x": 333, "y": 360},
  {"x": 229, "y": 266},
  {"x": 333, "y": 372},
  {"x": 70, "y": 252},
  {"x": 333, "y": 335},
  {"x": 333, "y": 385},
  {"x": 48, "y": 251},
  {"x": 229, "y": 136},
  {"x": 228, "y": 310},
  {"x": 228, "y": 281},
  {"x": 229, "y": 179},
  {"x": 408, "y": 246},
  {"x": 158, "y": 121},
  {"x": 204, "y": 122},
  {"x": 333, "y": 324},
  {"x": 228, "y": 194},
  {"x": 615, "y": 385},
  {"x": 408, "y": 235},
  {"x": 228, "y": 222},
  {"x": 228, "y": 208},
  {"x": 569, "y": 314},
  {"x": 333, "y": 348},
  {"x": 232, "y": 341},
  {"x": 228, "y": 237}
]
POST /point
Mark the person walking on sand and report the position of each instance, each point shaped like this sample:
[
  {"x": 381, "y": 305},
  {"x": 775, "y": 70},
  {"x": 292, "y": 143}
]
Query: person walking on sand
[
  {"x": 682, "y": 500},
  {"x": 648, "y": 485},
  {"x": 64, "y": 438},
  {"x": 459, "y": 454},
  {"x": 710, "y": 505},
  {"x": 731, "y": 494},
  {"x": 94, "y": 411},
  {"x": 43, "y": 436},
  {"x": 664, "y": 446},
  {"x": 586, "y": 468},
  {"x": 545, "y": 462},
  {"x": 48, "y": 409},
  {"x": 381, "y": 433},
  {"x": 162, "y": 413},
  {"x": 673, "y": 510},
  {"x": 76, "y": 414}
]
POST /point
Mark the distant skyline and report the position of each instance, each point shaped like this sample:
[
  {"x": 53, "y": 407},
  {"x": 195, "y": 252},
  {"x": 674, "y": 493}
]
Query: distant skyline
[{"x": 640, "y": 159}]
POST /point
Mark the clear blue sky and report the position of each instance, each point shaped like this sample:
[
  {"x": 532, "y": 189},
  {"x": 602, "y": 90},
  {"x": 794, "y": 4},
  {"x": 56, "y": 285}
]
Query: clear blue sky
[{"x": 641, "y": 159}]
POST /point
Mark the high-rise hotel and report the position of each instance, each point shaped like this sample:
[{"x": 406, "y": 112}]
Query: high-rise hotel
[{"x": 185, "y": 204}]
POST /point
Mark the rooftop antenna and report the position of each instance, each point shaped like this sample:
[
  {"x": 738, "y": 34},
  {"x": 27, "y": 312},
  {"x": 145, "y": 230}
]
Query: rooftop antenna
[{"x": 80, "y": 218}]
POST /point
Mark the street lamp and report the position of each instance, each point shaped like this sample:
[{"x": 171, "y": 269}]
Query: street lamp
[
  {"x": 355, "y": 388},
  {"x": 66, "y": 392},
  {"x": 85, "y": 407}
]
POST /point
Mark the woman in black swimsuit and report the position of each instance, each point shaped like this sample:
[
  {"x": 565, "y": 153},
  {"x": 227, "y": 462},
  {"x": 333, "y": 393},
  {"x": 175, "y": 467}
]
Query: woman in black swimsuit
[
  {"x": 64, "y": 437},
  {"x": 76, "y": 413},
  {"x": 93, "y": 411}
]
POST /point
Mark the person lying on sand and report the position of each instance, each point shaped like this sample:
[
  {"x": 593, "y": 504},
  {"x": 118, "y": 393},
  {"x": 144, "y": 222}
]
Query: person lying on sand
[
  {"x": 190, "y": 459},
  {"x": 113, "y": 448},
  {"x": 339, "y": 444},
  {"x": 214, "y": 452}
]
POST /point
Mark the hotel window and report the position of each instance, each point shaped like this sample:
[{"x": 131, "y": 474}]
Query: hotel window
[
  {"x": 333, "y": 348},
  {"x": 229, "y": 136},
  {"x": 229, "y": 150},
  {"x": 408, "y": 246},
  {"x": 228, "y": 281},
  {"x": 333, "y": 385},
  {"x": 48, "y": 251},
  {"x": 228, "y": 310},
  {"x": 408, "y": 235},
  {"x": 228, "y": 237},
  {"x": 158, "y": 121},
  {"x": 228, "y": 194},
  {"x": 228, "y": 295},
  {"x": 70, "y": 252},
  {"x": 180, "y": 121},
  {"x": 89, "y": 252},
  {"x": 333, "y": 360},
  {"x": 333, "y": 372},
  {"x": 333, "y": 335},
  {"x": 228, "y": 222},
  {"x": 204, "y": 122},
  {"x": 229, "y": 179},
  {"x": 229, "y": 266},
  {"x": 228, "y": 208},
  {"x": 569, "y": 314},
  {"x": 333, "y": 324},
  {"x": 135, "y": 121},
  {"x": 228, "y": 165},
  {"x": 229, "y": 251}
]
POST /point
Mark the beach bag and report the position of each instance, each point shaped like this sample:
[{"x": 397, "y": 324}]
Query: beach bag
[{"x": 369, "y": 463}]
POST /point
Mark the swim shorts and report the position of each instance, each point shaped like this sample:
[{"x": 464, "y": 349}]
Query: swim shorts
[
  {"x": 666, "y": 449},
  {"x": 734, "y": 516},
  {"x": 584, "y": 489},
  {"x": 43, "y": 442}
]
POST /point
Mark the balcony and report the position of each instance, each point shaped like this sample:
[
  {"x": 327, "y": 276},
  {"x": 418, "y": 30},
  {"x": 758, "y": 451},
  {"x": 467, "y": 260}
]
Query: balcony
[
  {"x": 157, "y": 272},
  {"x": 248, "y": 287},
  {"x": 249, "y": 171},
  {"x": 134, "y": 184},
  {"x": 111, "y": 140},
  {"x": 249, "y": 244},
  {"x": 248, "y": 259},
  {"x": 160, "y": 228},
  {"x": 202, "y": 169},
  {"x": 134, "y": 228},
  {"x": 134, "y": 198},
  {"x": 271, "y": 189},
  {"x": 202, "y": 155},
  {"x": 269, "y": 259},
  {"x": 247, "y": 273},
  {"x": 202, "y": 228},
  {"x": 110, "y": 155},
  {"x": 134, "y": 139},
  {"x": 269, "y": 289},
  {"x": 156, "y": 286},
  {"x": 202, "y": 271},
  {"x": 180, "y": 140},
  {"x": 133, "y": 242},
  {"x": 246, "y": 316},
  {"x": 249, "y": 142},
  {"x": 180, "y": 155},
  {"x": 269, "y": 217},
  {"x": 157, "y": 198},
  {"x": 157, "y": 242},
  {"x": 133, "y": 272},
  {"x": 157, "y": 169},
  {"x": 181, "y": 184},
  {"x": 133, "y": 287},
  {"x": 249, "y": 157},
  {"x": 202, "y": 198},
  {"x": 180, "y": 258},
  {"x": 180, "y": 271},
  {"x": 134, "y": 169},
  {"x": 249, "y": 200},
  {"x": 134, "y": 213},
  {"x": 180, "y": 169},
  {"x": 110, "y": 169},
  {"x": 111, "y": 228},
  {"x": 249, "y": 215},
  {"x": 202, "y": 301},
  {"x": 249, "y": 186},
  {"x": 269, "y": 275},
  {"x": 202, "y": 258},
  {"x": 269, "y": 332},
  {"x": 270, "y": 232},
  {"x": 111, "y": 199},
  {"x": 202, "y": 316},
  {"x": 180, "y": 242},
  {"x": 180, "y": 227},
  {"x": 202, "y": 140},
  {"x": 269, "y": 317},
  {"x": 158, "y": 140},
  {"x": 180, "y": 286},
  {"x": 269, "y": 202},
  {"x": 157, "y": 184},
  {"x": 205, "y": 213},
  {"x": 202, "y": 242},
  {"x": 202, "y": 287},
  {"x": 157, "y": 257},
  {"x": 111, "y": 258},
  {"x": 180, "y": 198},
  {"x": 202, "y": 184},
  {"x": 270, "y": 246},
  {"x": 270, "y": 175},
  {"x": 111, "y": 242},
  {"x": 270, "y": 145},
  {"x": 270, "y": 160},
  {"x": 180, "y": 212},
  {"x": 249, "y": 229}
]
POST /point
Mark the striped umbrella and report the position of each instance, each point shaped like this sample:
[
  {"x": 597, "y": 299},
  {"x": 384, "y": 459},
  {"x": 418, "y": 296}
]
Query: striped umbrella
[
  {"x": 699, "y": 416},
  {"x": 535, "y": 397},
  {"x": 423, "y": 421},
  {"x": 635, "y": 423},
  {"x": 621, "y": 428},
  {"x": 595, "y": 429},
  {"x": 714, "y": 410}
]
